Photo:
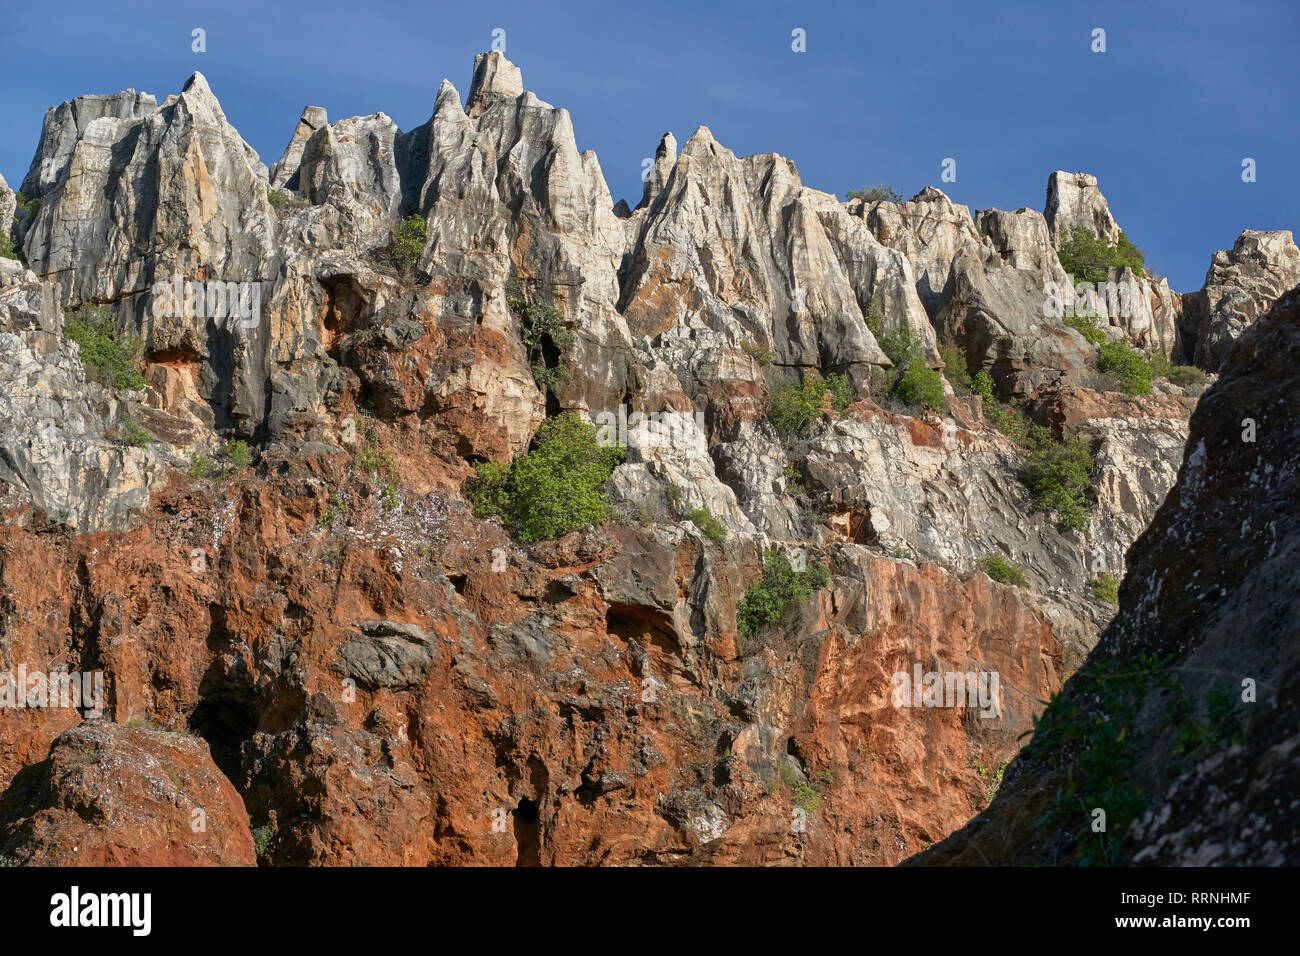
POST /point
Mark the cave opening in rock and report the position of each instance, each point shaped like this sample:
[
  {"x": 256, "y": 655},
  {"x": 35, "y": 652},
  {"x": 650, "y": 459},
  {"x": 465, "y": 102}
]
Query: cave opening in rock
[
  {"x": 226, "y": 715},
  {"x": 225, "y": 724},
  {"x": 527, "y": 835}
]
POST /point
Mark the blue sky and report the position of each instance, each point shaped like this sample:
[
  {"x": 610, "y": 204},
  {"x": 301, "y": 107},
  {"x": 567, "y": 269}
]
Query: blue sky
[{"x": 1011, "y": 91}]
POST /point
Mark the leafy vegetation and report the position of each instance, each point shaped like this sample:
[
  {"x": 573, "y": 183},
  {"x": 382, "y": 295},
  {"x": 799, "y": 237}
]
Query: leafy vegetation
[
  {"x": 1128, "y": 364},
  {"x": 991, "y": 783},
  {"x": 982, "y": 385},
  {"x": 1085, "y": 324},
  {"x": 807, "y": 798},
  {"x": 541, "y": 328},
  {"x": 954, "y": 361},
  {"x": 134, "y": 434},
  {"x": 32, "y": 205},
  {"x": 709, "y": 526},
  {"x": 7, "y": 247},
  {"x": 761, "y": 355},
  {"x": 1059, "y": 475},
  {"x": 555, "y": 488},
  {"x": 1001, "y": 570},
  {"x": 875, "y": 194},
  {"x": 1184, "y": 375},
  {"x": 922, "y": 387},
  {"x": 201, "y": 466},
  {"x": 873, "y": 317},
  {"x": 1105, "y": 587},
  {"x": 795, "y": 407},
  {"x": 766, "y": 604},
  {"x": 408, "y": 240},
  {"x": 111, "y": 358},
  {"x": 1093, "y": 734},
  {"x": 910, "y": 380},
  {"x": 237, "y": 452},
  {"x": 334, "y": 508},
  {"x": 1089, "y": 258},
  {"x": 1133, "y": 370},
  {"x": 278, "y": 198}
]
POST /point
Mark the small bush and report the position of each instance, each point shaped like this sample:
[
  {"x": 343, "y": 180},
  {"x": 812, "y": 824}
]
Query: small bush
[
  {"x": 882, "y": 381},
  {"x": 539, "y": 326},
  {"x": 237, "y": 452},
  {"x": 1001, "y": 570},
  {"x": 261, "y": 840},
  {"x": 954, "y": 361},
  {"x": 1184, "y": 375},
  {"x": 873, "y": 317},
  {"x": 982, "y": 385},
  {"x": 842, "y": 395},
  {"x": 7, "y": 247},
  {"x": 762, "y": 356},
  {"x": 278, "y": 198},
  {"x": 795, "y": 407},
  {"x": 408, "y": 240},
  {"x": 922, "y": 387},
  {"x": 201, "y": 466},
  {"x": 555, "y": 488},
  {"x": 376, "y": 464},
  {"x": 1105, "y": 587},
  {"x": 134, "y": 434},
  {"x": 808, "y": 799},
  {"x": 111, "y": 358},
  {"x": 902, "y": 347},
  {"x": 334, "y": 508},
  {"x": 1086, "y": 326},
  {"x": 880, "y": 193},
  {"x": 912, "y": 382},
  {"x": 1159, "y": 362},
  {"x": 1128, "y": 364},
  {"x": 782, "y": 587},
  {"x": 709, "y": 526},
  {"x": 1088, "y": 257},
  {"x": 1059, "y": 475},
  {"x": 1011, "y": 422}
]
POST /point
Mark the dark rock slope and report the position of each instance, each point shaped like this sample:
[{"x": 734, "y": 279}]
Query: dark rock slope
[{"x": 1182, "y": 726}]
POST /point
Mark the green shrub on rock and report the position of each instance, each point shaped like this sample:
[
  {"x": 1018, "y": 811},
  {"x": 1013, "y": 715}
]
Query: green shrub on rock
[
  {"x": 1089, "y": 258},
  {"x": 880, "y": 193},
  {"x": 111, "y": 358},
  {"x": 555, "y": 488},
  {"x": 1128, "y": 364},
  {"x": 709, "y": 526},
  {"x": 795, "y": 407},
  {"x": 1105, "y": 587},
  {"x": 1001, "y": 570},
  {"x": 1184, "y": 375},
  {"x": 766, "y": 604},
  {"x": 1059, "y": 475}
]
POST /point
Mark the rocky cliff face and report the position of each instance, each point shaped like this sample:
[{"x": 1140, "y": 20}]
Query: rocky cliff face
[
  {"x": 382, "y": 677},
  {"x": 1180, "y": 728}
]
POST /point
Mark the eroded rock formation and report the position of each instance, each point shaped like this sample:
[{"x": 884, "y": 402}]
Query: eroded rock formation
[{"x": 379, "y": 676}]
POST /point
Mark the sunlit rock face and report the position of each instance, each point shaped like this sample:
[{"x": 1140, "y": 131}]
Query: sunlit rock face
[{"x": 355, "y": 668}]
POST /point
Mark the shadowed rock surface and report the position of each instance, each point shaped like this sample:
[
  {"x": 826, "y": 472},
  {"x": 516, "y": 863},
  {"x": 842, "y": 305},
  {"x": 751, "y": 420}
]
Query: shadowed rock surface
[{"x": 1181, "y": 726}]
